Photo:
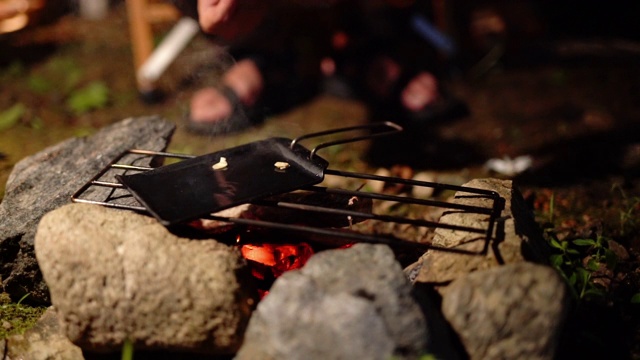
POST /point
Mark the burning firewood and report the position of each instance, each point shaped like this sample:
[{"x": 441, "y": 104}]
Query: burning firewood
[{"x": 217, "y": 226}]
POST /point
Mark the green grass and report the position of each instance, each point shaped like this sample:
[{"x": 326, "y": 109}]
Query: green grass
[
  {"x": 16, "y": 318},
  {"x": 586, "y": 259},
  {"x": 11, "y": 116}
]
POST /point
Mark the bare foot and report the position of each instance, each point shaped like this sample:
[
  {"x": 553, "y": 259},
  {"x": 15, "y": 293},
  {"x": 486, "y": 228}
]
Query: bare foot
[
  {"x": 245, "y": 80},
  {"x": 420, "y": 92},
  {"x": 209, "y": 105}
]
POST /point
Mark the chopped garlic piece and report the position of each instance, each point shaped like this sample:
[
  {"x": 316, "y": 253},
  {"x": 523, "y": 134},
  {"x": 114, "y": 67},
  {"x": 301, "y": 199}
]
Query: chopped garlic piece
[
  {"x": 352, "y": 201},
  {"x": 281, "y": 165},
  {"x": 222, "y": 164}
]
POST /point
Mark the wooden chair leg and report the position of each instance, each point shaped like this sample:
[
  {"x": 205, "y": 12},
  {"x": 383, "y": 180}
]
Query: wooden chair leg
[
  {"x": 141, "y": 39},
  {"x": 149, "y": 63}
]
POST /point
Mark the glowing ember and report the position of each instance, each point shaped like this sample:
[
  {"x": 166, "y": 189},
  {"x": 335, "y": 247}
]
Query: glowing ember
[
  {"x": 258, "y": 253},
  {"x": 278, "y": 257},
  {"x": 267, "y": 261}
]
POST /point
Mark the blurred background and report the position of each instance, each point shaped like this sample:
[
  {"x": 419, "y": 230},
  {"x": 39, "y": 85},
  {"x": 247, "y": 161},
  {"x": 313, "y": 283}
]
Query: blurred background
[
  {"x": 552, "y": 90},
  {"x": 554, "y": 80}
]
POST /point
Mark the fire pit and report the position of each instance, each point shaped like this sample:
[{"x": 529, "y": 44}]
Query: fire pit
[
  {"x": 188, "y": 286},
  {"x": 279, "y": 228}
]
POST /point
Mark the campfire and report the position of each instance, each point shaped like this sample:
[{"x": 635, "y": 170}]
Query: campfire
[
  {"x": 280, "y": 228},
  {"x": 268, "y": 261},
  {"x": 191, "y": 285}
]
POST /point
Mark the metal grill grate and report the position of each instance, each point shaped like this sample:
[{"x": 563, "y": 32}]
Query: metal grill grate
[{"x": 104, "y": 190}]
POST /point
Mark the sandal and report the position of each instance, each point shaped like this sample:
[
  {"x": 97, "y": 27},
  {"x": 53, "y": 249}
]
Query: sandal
[
  {"x": 419, "y": 145},
  {"x": 446, "y": 108},
  {"x": 242, "y": 117}
]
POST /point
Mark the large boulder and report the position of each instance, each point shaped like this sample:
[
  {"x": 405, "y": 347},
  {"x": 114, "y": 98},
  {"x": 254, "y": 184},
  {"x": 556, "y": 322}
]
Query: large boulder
[
  {"x": 350, "y": 303},
  {"x": 516, "y": 237},
  {"x": 116, "y": 275},
  {"x": 498, "y": 297},
  {"x": 45, "y": 181},
  {"x": 515, "y": 311}
]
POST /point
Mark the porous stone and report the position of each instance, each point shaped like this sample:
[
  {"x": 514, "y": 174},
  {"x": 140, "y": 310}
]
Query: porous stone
[
  {"x": 46, "y": 181},
  {"x": 513, "y": 311},
  {"x": 350, "y": 303},
  {"x": 116, "y": 275},
  {"x": 515, "y": 238}
]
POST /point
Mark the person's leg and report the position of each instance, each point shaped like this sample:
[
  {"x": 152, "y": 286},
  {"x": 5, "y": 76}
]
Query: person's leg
[
  {"x": 415, "y": 91},
  {"x": 420, "y": 92},
  {"x": 210, "y": 105}
]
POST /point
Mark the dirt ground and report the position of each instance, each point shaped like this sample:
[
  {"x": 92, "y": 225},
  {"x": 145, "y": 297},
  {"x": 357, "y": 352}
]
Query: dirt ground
[{"x": 574, "y": 109}]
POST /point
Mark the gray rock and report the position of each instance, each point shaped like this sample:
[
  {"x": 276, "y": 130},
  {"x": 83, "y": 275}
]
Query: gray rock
[
  {"x": 343, "y": 304},
  {"x": 116, "y": 275},
  {"x": 510, "y": 312},
  {"x": 43, "y": 341},
  {"x": 46, "y": 181},
  {"x": 516, "y": 237}
]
